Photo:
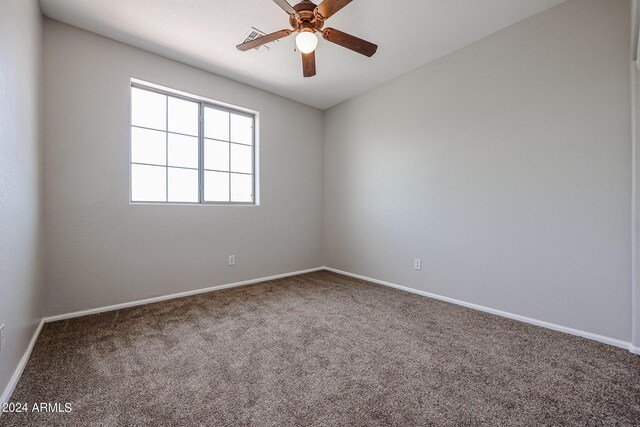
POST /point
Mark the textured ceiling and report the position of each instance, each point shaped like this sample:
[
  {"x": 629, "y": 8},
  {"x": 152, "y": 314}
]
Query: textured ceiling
[{"x": 204, "y": 33}]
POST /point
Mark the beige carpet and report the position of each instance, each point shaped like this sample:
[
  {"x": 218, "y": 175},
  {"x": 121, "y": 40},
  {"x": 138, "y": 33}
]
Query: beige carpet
[{"x": 326, "y": 350}]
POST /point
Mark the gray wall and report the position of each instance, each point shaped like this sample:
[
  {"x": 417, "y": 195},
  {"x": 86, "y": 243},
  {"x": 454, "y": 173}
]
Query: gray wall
[
  {"x": 20, "y": 189},
  {"x": 636, "y": 211},
  {"x": 505, "y": 166},
  {"x": 101, "y": 250},
  {"x": 635, "y": 77}
]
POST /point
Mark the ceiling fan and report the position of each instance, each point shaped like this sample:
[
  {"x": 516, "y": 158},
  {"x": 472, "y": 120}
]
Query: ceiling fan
[{"x": 306, "y": 19}]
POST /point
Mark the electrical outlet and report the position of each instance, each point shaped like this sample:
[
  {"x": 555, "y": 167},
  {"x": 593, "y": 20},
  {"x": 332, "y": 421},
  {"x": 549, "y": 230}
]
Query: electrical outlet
[
  {"x": 2, "y": 337},
  {"x": 417, "y": 264},
  {"x": 232, "y": 260}
]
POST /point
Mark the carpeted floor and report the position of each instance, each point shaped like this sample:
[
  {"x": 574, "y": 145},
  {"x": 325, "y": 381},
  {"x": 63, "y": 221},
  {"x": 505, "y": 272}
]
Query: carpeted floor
[{"x": 321, "y": 350}]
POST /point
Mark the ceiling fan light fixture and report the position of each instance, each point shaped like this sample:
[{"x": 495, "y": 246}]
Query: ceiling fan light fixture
[
  {"x": 307, "y": 19},
  {"x": 306, "y": 41}
]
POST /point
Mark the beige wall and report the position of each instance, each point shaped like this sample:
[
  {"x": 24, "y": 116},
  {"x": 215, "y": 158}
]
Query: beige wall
[
  {"x": 101, "y": 250},
  {"x": 504, "y": 166},
  {"x": 20, "y": 184}
]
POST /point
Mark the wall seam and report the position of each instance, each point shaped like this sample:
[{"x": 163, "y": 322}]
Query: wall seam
[{"x": 634, "y": 202}]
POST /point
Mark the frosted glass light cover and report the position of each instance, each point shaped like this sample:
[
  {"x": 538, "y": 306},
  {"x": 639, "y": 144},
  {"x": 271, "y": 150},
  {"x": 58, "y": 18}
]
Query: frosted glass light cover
[{"x": 306, "y": 42}]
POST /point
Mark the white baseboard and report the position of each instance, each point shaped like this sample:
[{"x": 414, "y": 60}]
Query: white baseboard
[
  {"x": 600, "y": 338},
  {"x": 172, "y": 296},
  {"x": 8, "y": 391}
]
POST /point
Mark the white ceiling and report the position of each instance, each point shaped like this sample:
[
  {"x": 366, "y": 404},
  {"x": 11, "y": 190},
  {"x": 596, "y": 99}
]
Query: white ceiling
[{"x": 204, "y": 33}]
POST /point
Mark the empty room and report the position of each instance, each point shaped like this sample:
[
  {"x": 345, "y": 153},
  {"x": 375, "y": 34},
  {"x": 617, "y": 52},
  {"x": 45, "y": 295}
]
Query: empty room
[{"x": 319, "y": 213}]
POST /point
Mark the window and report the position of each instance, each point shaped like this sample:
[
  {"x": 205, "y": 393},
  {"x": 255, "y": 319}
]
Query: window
[{"x": 185, "y": 150}]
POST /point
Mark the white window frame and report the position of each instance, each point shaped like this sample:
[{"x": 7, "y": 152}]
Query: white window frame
[{"x": 202, "y": 104}]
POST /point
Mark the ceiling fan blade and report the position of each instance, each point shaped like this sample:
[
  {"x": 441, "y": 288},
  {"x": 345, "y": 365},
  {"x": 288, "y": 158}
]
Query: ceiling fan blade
[
  {"x": 309, "y": 64},
  {"x": 350, "y": 42},
  {"x": 328, "y": 8},
  {"x": 284, "y": 4},
  {"x": 252, "y": 44}
]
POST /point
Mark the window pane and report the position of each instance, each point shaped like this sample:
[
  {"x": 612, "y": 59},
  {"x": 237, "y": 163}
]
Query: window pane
[
  {"x": 148, "y": 109},
  {"x": 183, "y": 185},
  {"x": 216, "y": 186},
  {"x": 216, "y": 124},
  {"x": 183, "y": 151},
  {"x": 148, "y": 183},
  {"x": 241, "y": 158},
  {"x": 216, "y": 155},
  {"x": 241, "y": 188},
  {"x": 148, "y": 146},
  {"x": 241, "y": 129},
  {"x": 183, "y": 116}
]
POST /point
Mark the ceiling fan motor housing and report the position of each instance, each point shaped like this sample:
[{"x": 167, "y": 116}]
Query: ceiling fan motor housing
[{"x": 306, "y": 19}]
